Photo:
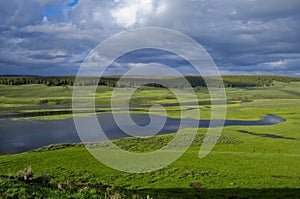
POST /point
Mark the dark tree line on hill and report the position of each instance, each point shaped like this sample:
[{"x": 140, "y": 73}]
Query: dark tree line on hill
[
  {"x": 56, "y": 81},
  {"x": 255, "y": 80},
  {"x": 171, "y": 82}
]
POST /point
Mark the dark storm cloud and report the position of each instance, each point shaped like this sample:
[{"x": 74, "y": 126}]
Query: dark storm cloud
[
  {"x": 147, "y": 56},
  {"x": 242, "y": 36}
]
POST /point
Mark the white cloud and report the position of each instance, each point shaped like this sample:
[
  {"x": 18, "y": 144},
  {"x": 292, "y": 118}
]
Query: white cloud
[
  {"x": 136, "y": 12},
  {"x": 125, "y": 16},
  {"x": 280, "y": 64},
  {"x": 277, "y": 64},
  {"x": 51, "y": 28}
]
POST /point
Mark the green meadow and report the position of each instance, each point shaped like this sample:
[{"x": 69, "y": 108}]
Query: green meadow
[{"x": 241, "y": 165}]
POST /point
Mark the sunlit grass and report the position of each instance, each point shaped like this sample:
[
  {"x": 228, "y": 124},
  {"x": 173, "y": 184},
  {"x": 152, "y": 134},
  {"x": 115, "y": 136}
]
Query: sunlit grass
[{"x": 244, "y": 162}]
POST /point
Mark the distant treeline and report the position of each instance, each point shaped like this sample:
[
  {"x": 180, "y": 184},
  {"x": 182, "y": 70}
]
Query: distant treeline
[
  {"x": 172, "y": 82},
  {"x": 255, "y": 80}
]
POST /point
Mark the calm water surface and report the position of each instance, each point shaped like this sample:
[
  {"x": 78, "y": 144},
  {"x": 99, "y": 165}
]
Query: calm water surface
[{"x": 24, "y": 135}]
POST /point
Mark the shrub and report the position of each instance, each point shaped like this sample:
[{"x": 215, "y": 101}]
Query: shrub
[{"x": 25, "y": 174}]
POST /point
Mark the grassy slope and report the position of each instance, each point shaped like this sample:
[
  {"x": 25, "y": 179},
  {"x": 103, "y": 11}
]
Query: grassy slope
[{"x": 232, "y": 169}]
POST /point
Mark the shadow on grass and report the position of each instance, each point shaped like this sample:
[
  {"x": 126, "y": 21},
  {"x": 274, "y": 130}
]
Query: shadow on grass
[
  {"x": 44, "y": 187},
  {"x": 221, "y": 193}
]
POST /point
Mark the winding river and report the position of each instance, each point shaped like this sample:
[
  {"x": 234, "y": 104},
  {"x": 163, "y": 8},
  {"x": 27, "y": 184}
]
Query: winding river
[{"x": 24, "y": 135}]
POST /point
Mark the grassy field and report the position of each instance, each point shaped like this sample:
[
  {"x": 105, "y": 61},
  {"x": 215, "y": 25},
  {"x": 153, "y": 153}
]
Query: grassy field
[{"x": 240, "y": 166}]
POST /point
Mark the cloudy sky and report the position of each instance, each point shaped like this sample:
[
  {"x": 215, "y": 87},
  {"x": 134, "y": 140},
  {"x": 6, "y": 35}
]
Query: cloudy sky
[{"x": 52, "y": 37}]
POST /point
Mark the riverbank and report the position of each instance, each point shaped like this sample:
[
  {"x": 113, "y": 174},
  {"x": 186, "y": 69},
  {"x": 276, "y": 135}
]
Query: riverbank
[{"x": 249, "y": 165}]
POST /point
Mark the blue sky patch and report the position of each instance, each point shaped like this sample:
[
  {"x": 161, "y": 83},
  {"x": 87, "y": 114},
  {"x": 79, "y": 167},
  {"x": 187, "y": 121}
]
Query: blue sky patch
[
  {"x": 52, "y": 11},
  {"x": 73, "y": 3}
]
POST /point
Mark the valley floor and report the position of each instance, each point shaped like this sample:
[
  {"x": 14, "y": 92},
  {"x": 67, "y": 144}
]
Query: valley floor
[{"x": 241, "y": 164}]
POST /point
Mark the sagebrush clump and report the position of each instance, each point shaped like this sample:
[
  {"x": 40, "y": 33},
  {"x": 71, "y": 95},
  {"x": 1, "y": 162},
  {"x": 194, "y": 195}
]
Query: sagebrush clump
[{"x": 25, "y": 174}]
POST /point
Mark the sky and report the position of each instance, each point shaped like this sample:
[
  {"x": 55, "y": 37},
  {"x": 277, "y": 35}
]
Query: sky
[{"x": 53, "y": 37}]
